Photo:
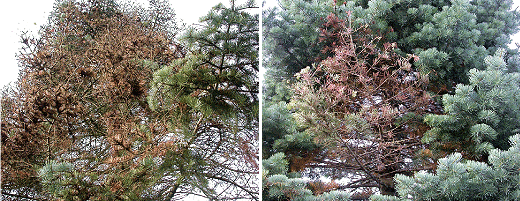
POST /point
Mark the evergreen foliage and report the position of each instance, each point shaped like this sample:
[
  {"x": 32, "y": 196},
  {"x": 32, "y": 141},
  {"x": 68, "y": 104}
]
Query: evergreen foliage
[
  {"x": 278, "y": 185},
  {"x": 276, "y": 164},
  {"x": 480, "y": 115},
  {"x": 281, "y": 134},
  {"x": 290, "y": 43},
  {"x": 276, "y": 122},
  {"x": 457, "y": 179},
  {"x": 210, "y": 100},
  {"x": 290, "y": 36},
  {"x": 451, "y": 37}
]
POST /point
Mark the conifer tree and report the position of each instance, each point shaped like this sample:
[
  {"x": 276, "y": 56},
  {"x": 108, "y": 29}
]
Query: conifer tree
[
  {"x": 458, "y": 179},
  {"x": 83, "y": 122},
  {"x": 81, "y": 100},
  {"x": 480, "y": 116},
  {"x": 459, "y": 35},
  {"x": 209, "y": 99},
  {"x": 448, "y": 37},
  {"x": 276, "y": 122},
  {"x": 451, "y": 37},
  {"x": 362, "y": 106},
  {"x": 280, "y": 186},
  {"x": 290, "y": 44},
  {"x": 290, "y": 37}
]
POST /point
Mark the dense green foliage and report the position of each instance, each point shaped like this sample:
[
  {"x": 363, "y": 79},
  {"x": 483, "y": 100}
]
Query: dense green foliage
[
  {"x": 211, "y": 95},
  {"x": 276, "y": 122},
  {"x": 278, "y": 186},
  {"x": 480, "y": 115},
  {"x": 290, "y": 43},
  {"x": 291, "y": 38},
  {"x": 450, "y": 37},
  {"x": 457, "y": 179}
]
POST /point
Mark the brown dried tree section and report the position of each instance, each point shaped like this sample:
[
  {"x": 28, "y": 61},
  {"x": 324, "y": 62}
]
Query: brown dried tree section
[
  {"x": 78, "y": 124},
  {"x": 363, "y": 104},
  {"x": 82, "y": 93}
]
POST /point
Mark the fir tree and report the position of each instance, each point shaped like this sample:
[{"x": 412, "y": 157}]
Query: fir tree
[
  {"x": 291, "y": 37},
  {"x": 362, "y": 106},
  {"x": 451, "y": 37},
  {"x": 448, "y": 37},
  {"x": 279, "y": 185},
  {"x": 276, "y": 122},
  {"x": 480, "y": 115},
  {"x": 290, "y": 44},
  {"x": 457, "y": 179}
]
